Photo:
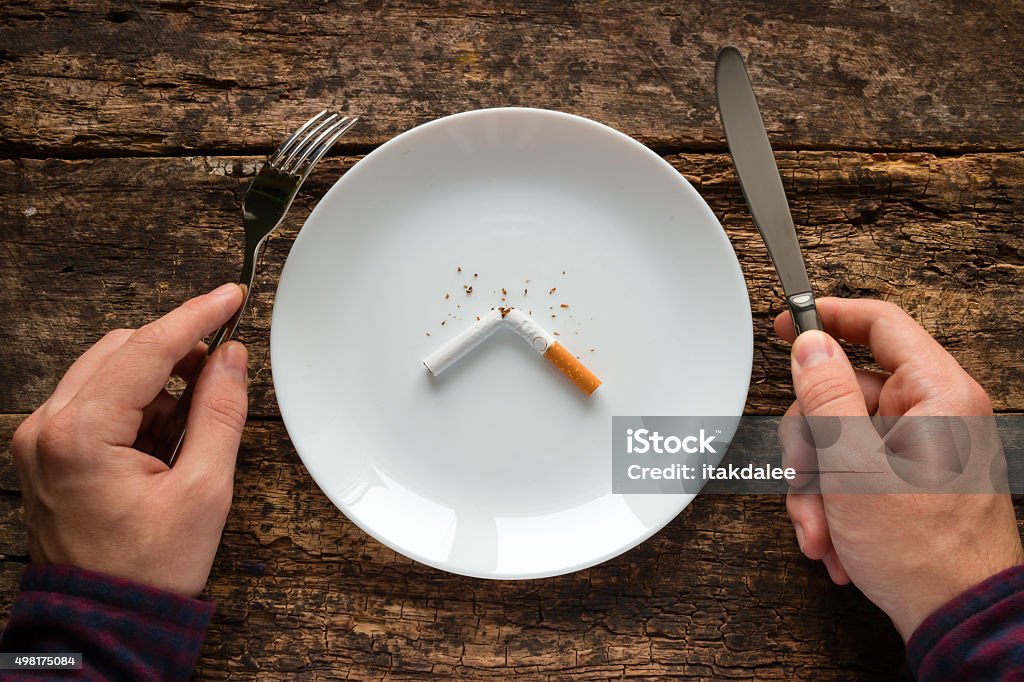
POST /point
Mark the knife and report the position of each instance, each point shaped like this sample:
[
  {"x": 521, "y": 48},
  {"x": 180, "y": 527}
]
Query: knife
[{"x": 762, "y": 187}]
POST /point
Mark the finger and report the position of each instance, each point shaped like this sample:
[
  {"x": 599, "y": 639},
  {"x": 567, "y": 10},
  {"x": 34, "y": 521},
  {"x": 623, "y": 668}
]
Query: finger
[
  {"x": 84, "y": 368},
  {"x": 797, "y": 441},
  {"x": 807, "y": 512},
  {"x": 153, "y": 415},
  {"x": 186, "y": 367},
  {"x": 835, "y": 568},
  {"x": 216, "y": 419},
  {"x": 830, "y": 397},
  {"x": 824, "y": 381},
  {"x": 138, "y": 371},
  {"x": 871, "y": 387},
  {"x": 797, "y": 445},
  {"x": 894, "y": 337}
]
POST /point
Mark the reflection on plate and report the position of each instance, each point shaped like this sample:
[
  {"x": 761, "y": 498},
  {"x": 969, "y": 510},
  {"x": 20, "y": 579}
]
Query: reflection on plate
[{"x": 500, "y": 468}]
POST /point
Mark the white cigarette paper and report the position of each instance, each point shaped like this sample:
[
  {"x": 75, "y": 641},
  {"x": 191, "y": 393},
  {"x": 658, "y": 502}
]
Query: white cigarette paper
[
  {"x": 539, "y": 339},
  {"x": 527, "y": 327},
  {"x": 453, "y": 351}
]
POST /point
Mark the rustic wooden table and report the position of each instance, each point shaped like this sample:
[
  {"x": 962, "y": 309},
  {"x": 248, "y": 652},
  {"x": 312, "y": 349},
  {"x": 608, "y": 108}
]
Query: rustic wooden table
[{"x": 130, "y": 130}]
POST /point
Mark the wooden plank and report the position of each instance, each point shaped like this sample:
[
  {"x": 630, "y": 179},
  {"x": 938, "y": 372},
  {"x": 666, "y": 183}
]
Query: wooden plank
[
  {"x": 159, "y": 77},
  {"x": 92, "y": 245},
  {"x": 722, "y": 592}
]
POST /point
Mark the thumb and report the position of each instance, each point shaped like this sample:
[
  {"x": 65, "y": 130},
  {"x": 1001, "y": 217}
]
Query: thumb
[
  {"x": 832, "y": 402},
  {"x": 823, "y": 378},
  {"x": 217, "y": 416}
]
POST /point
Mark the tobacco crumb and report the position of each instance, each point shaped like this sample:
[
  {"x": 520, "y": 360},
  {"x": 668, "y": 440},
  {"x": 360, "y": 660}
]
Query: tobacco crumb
[
  {"x": 428, "y": 333},
  {"x": 591, "y": 350},
  {"x": 446, "y": 295},
  {"x": 442, "y": 322},
  {"x": 553, "y": 290},
  {"x": 556, "y": 333},
  {"x": 524, "y": 291},
  {"x": 565, "y": 305},
  {"x": 553, "y": 315},
  {"x": 505, "y": 311},
  {"x": 475, "y": 274},
  {"x": 459, "y": 268},
  {"x": 503, "y": 292},
  {"x": 563, "y": 272},
  {"x": 477, "y": 318},
  {"x": 469, "y": 289}
]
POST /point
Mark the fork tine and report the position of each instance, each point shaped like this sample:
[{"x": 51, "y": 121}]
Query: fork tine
[
  {"x": 288, "y": 159},
  {"x": 284, "y": 146},
  {"x": 319, "y": 145},
  {"x": 312, "y": 139},
  {"x": 325, "y": 146}
]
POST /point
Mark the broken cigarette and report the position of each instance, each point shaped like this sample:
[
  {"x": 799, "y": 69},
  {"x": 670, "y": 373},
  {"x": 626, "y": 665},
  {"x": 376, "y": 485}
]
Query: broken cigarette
[{"x": 539, "y": 339}]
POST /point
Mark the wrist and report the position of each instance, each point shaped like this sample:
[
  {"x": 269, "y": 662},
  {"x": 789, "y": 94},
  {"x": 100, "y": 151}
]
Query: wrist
[{"x": 931, "y": 595}]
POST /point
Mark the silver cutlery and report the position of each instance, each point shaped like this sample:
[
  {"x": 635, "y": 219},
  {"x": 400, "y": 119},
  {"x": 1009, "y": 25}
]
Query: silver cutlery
[
  {"x": 264, "y": 207},
  {"x": 762, "y": 187}
]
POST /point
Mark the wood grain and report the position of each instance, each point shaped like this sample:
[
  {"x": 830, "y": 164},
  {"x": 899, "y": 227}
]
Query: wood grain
[
  {"x": 130, "y": 129},
  {"x": 92, "y": 245},
  {"x": 721, "y": 593},
  {"x": 162, "y": 77}
]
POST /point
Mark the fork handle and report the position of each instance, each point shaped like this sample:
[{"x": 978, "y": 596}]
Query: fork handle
[{"x": 172, "y": 435}]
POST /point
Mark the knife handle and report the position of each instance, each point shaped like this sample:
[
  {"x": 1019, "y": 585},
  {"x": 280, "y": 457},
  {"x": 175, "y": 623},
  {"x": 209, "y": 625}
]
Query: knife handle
[{"x": 805, "y": 314}]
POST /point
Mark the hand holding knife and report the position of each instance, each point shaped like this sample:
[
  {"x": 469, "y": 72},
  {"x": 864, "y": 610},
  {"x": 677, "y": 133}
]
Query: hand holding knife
[{"x": 762, "y": 187}]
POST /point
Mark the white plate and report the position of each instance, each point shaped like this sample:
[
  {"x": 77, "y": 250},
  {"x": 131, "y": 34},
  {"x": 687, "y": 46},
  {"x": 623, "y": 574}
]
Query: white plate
[{"x": 500, "y": 467}]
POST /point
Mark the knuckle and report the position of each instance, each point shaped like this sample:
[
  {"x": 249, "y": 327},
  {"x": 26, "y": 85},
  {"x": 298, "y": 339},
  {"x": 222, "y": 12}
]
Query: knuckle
[
  {"x": 215, "y": 492},
  {"x": 974, "y": 397},
  {"x": 153, "y": 336},
  {"x": 793, "y": 506},
  {"x": 826, "y": 395},
  {"x": 24, "y": 439},
  {"x": 193, "y": 308},
  {"x": 890, "y": 309},
  {"x": 220, "y": 499},
  {"x": 117, "y": 336},
  {"x": 227, "y": 412},
  {"x": 960, "y": 392},
  {"x": 890, "y": 314},
  {"x": 56, "y": 440}
]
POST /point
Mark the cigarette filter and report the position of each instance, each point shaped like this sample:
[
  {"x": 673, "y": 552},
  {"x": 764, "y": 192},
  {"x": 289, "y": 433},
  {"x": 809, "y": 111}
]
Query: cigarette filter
[
  {"x": 554, "y": 352},
  {"x": 570, "y": 366},
  {"x": 539, "y": 339}
]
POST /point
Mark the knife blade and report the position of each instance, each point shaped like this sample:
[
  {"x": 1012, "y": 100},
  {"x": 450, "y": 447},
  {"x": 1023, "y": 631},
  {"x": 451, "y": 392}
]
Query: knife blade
[{"x": 761, "y": 184}]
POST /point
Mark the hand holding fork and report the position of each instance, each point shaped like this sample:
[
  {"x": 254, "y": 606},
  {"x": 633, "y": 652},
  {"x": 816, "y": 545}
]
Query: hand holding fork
[{"x": 264, "y": 207}]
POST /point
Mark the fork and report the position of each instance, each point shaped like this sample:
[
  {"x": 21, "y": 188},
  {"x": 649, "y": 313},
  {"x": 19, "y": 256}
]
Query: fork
[{"x": 264, "y": 207}]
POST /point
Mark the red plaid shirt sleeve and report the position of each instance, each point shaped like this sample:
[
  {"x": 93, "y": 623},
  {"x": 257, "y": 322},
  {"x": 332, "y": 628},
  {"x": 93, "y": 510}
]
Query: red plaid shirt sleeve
[
  {"x": 124, "y": 631},
  {"x": 977, "y": 636}
]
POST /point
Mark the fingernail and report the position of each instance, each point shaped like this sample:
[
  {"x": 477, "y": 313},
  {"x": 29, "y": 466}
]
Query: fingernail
[
  {"x": 799, "y": 535},
  {"x": 225, "y": 290},
  {"x": 236, "y": 360},
  {"x": 812, "y": 347}
]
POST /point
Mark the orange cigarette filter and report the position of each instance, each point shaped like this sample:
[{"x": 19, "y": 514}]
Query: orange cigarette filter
[
  {"x": 544, "y": 343},
  {"x": 570, "y": 366}
]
